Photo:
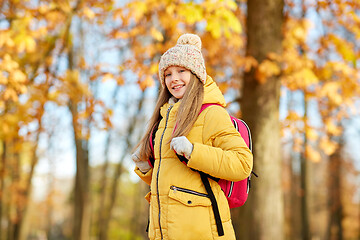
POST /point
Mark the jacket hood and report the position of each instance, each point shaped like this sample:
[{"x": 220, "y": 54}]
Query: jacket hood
[{"x": 212, "y": 93}]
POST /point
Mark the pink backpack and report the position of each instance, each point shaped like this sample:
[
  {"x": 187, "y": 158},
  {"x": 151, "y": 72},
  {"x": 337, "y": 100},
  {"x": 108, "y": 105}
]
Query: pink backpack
[{"x": 236, "y": 192}]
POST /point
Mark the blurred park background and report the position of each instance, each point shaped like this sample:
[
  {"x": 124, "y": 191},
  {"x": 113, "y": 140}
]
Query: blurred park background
[{"x": 78, "y": 82}]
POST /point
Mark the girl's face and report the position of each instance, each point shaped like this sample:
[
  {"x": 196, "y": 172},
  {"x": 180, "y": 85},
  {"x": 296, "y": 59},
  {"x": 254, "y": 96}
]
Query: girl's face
[{"x": 176, "y": 80}]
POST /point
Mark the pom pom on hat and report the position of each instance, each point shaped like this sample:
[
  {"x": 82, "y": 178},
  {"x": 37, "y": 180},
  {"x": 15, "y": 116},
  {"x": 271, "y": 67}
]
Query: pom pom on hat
[
  {"x": 191, "y": 39},
  {"x": 186, "y": 53}
]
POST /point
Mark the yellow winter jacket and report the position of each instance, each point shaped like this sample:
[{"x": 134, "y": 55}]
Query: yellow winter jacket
[{"x": 179, "y": 208}]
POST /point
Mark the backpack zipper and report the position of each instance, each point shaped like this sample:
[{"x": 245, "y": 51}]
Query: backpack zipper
[
  {"x": 158, "y": 171},
  {"x": 188, "y": 191},
  {"x": 231, "y": 189}
]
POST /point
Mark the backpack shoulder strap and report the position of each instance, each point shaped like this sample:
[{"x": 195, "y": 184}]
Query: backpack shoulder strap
[
  {"x": 204, "y": 106},
  {"x": 214, "y": 204},
  {"x": 151, "y": 159}
]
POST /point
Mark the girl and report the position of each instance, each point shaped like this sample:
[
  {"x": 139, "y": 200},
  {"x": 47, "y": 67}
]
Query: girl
[{"x": 179, "y": 205}]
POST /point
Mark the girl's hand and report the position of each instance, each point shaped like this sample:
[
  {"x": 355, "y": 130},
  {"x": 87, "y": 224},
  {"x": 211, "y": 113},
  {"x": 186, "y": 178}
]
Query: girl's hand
[
  {"x": 182, "y": 146},
  {"x": 144, "y": 166}
]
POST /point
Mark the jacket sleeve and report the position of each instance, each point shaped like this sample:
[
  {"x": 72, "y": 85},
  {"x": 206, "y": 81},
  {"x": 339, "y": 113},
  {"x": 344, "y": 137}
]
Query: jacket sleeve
[
  {"x": 227, "y": 155},
  {"x": 146, "y": 177}
]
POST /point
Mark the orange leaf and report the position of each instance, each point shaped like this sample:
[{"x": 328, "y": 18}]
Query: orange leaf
[
  {"x": 265, "y": 70},
  {"x": 312, "y": 154},
  {"x": 107, "y": 76},
  {"x": 332, "y": 128},
  {"x": 328, "y": 146},
  {"x": 88, "y": 13},
  {"x": 148, "y": 82}
]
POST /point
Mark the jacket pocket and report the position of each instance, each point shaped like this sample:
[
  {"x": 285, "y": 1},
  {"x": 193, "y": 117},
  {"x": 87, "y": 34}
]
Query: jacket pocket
[
  {"x": 189, "y": 197},
  {"x": 189, "y": 214}
]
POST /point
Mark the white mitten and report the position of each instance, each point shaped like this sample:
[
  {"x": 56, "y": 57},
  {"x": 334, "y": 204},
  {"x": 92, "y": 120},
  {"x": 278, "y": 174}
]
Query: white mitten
[
  {"x": 182, "y": 146},
  {"x": 144, "y": 166}
]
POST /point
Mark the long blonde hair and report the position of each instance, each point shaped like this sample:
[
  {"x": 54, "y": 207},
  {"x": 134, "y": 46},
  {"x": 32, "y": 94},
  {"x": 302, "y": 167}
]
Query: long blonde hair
[{"x": 187, "y": 114}]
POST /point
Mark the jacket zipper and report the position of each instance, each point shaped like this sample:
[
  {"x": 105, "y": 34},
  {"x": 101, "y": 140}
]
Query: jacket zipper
[
  {"x": 188, "y": 191},
  {"x": 158, "y": 171}
]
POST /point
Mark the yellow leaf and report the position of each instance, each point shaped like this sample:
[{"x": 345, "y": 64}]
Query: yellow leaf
[
  {"x": 10, "y": 94},
  {"x": 266, "y": 69},
  {"x": 331, "y": 90},
  {"x": 154, "y": 68},
  {"x": 299, "y": 33},
  {"x": 82, "y": 63},
  {"x": 20, "y": 46},
  {"x": 325, "y": 72},
  {"x": 224, "y": 86},
  {"x": 312, "y": 154},
  {"x": 64, "y": 6},
  {"x": 328, "y": 146},
  {"x": 107, "y": 76},
  {"x": 232, "y": 21},
  {"x": 293, "y": 116},
  {"x": 332, "y": 129},
  {"x": 344, "y": 48},
  {"x": 89, "y": 13},
  {"x": 274, "y": 57},
  {"x": 72, "y": 76},
  {"x": 214, "y": 27},
  {"x": 148, "y": 82},
  {"x": 4, "y": 36},
  {"x": 139, "y": 8},
  {"x": 3, "y": 79},
  {"x": 191, "y": 12},
  {"x": 18, "y": 76},
  {"x": 121, "y": 35},
  {"x": 232, "y": 4},
  {"x": 53, "y": 95},
  {"x": 170, "y": 9},
  {"x": 43, "y": 9},
  {"x": 8, "y": 64},
  {"x": 156, "y": 34},
  {"x": 120, "y": 80},
  {"x": 307, "y": 76},
  {"x": 30, "y": 44},
  {"x": 311, "y": 134},
  {"x": 249, "y": 63}
]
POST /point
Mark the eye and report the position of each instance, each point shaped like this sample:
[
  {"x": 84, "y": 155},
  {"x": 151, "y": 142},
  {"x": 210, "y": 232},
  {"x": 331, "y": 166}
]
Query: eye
[
  {"x": 182, "y": 70},
  {"x": 167, "y": 74}
]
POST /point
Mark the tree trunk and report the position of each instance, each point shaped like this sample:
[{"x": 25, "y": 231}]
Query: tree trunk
[
  {"x": 82, "y": 220},
  {"x": 81, "y": 191},
  {"x": 102, "y": 218},
  {"x": 27, "y": 192},
  {"x": 119, "y": 169},
  {"x": 334, "y": 199},
  {"x": 2, "y": 186},
  {"x": 264, "y": 212},
  {"x": 18, "y": 193},
  {"x": 304, "y": 197},
  {"x": 103, "y": 185},
  {"x": 294, "y": 205},
  {"x": 305, "y": 181},
  {"x": 138, "y": 225}
]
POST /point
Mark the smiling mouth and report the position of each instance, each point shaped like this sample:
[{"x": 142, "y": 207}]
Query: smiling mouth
[{"x": 178, "y": 87}]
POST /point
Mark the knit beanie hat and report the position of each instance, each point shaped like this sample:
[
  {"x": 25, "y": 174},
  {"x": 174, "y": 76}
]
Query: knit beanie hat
[{"x": 186, "y": 53}]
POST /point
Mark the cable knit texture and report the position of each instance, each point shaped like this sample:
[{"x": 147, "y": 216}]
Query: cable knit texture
[{"x": 186, "y": 53}]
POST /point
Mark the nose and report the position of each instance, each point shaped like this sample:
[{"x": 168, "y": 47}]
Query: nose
[{"x": 174, "y": 76}]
